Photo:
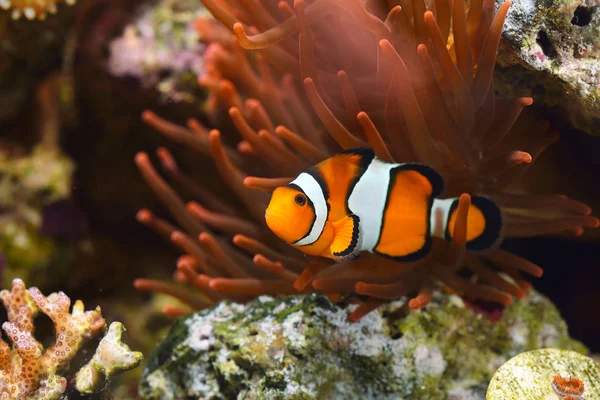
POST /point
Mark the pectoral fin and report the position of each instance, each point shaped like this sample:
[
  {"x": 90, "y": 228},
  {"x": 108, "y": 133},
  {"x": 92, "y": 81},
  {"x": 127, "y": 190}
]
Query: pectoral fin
[{"x": 347, "y": 239}]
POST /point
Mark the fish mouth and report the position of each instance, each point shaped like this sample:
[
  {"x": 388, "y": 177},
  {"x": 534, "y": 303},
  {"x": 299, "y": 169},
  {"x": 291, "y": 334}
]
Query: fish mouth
[{"x": 273, "y": 214}]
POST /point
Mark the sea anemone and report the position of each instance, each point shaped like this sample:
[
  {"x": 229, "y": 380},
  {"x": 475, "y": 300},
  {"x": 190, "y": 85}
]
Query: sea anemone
[{"x": 410, "y": 79}]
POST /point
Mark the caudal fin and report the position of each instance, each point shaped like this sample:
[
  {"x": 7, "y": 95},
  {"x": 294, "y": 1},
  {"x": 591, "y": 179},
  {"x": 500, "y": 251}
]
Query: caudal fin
[{"x": 484, "y": 221}]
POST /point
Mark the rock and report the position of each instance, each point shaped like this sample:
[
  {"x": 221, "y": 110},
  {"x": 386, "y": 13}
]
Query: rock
[
  {"x": 550, "y": 51},
  {"x": 303, "y": 347},
  {"x": 530, "y": 376}
]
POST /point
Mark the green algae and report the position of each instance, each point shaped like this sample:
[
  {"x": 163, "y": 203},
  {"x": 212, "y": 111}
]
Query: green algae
[{"x": 303, "y": 347}]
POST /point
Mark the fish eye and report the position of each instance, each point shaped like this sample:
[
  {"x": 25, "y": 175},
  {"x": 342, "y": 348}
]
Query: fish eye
[{"x": 300, "y": 199}]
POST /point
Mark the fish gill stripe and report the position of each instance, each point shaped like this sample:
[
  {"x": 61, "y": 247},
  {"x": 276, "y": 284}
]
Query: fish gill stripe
[
  {"x": 314, "y": 192},
  {"x": 367, "y": 156},
  {"x": 367, "y": 200},
  {"x": 310, "y": 204}
]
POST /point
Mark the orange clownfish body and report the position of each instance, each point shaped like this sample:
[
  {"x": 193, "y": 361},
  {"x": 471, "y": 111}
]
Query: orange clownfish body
[{"x": 354, "y": 202}]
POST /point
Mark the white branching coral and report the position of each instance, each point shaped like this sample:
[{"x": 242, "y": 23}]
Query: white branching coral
[
  {"x": 27, "y": 370},
  {"x": 32, "y": 9}
]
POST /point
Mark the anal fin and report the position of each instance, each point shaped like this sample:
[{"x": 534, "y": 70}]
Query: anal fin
[{"x": 347, "y": 241}]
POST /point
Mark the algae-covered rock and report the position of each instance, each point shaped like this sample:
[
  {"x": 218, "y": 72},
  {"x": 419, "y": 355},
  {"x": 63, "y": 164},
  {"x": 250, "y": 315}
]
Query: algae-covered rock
[
  {"x": 544, "y": 374},
  {"x": 551, "y": 51},
  {"x": 303, "y": 347}
]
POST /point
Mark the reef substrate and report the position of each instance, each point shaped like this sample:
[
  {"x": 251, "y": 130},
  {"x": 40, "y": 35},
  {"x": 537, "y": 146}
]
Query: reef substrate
[{"x": 303, "y": 347}]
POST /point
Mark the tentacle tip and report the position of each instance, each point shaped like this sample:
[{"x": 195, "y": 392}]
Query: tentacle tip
[
  {"x": 139, "y": 283},
  {"x": 148, "y": 115},
  {"x": 234, "y": 112},
  {"x": 166, "y": 158},
  {"x": 539, "y": 273},
  {"x": 429, "y": 15},
  {"x": 520, "y": 294},
  {"x": 415, "y": 304},
  {"x": 141, "y": 158},
  {"x": 214, "y": 134},
  {"x": 204, "y": 237},
  {"x": 353, "y": 317},
  {"x": 299, "y": 286},
  {"x": 247, "y": 182},
  {"x": 341, "y": 73},
  {"x": 506, "y": 300},
  {"x": 214, "y": 284},
  {"x": 362, "y": 116},
  {"x": 237, "y": 239},
  {"x": 181, "y": 264},
  {"x": 308, "y": 81},
  {"x": 238, "y": 28},
  {"x": 526, "y": 286},
  {"x": 360, "y": 288},
  {"x": 175, "y": 236},
  {"x": 144, "y": 215}
]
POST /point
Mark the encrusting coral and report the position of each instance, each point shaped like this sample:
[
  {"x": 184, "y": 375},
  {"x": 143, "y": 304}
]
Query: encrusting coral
[
  {"x": 32, "y": 9},
  {"x": 27, "y": 370},
  {"x": 410, "y": 79}
]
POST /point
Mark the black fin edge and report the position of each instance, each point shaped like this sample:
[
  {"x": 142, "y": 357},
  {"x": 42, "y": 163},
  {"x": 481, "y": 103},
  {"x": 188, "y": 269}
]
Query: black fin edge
[
  {"x": 355, "y": 237},
  {"x": 493, "y": 224},
  {"x": 415, "y": 256},
  {"x": 436, "y": 180}
]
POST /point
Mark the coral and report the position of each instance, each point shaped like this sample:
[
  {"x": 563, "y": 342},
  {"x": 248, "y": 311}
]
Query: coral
[
  {"x": 112, "y": 357},
  {"x": 38, "y": 9},
  {"x": 27, "y": 369},
  {"x": 389, "y": 76},
  {"x": 302, "y": 347},
  {"x": 553, "y": 48},
  {"x": 161, "y": 48},
  {"x": 540, "y": 374}
]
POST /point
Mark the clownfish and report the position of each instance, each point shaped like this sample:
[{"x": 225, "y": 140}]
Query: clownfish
[{"x": 354, "y": 202}]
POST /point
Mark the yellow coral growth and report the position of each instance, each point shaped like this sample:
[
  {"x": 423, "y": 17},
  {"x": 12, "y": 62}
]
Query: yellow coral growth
[
  {"x": 27, "y": 370},
  {"x": 32, "y": 9}
]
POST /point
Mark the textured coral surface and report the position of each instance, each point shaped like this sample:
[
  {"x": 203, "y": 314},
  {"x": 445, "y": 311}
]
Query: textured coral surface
[
  {"x": 28, "y": 370},
  {"x": 303, "y": 347}
]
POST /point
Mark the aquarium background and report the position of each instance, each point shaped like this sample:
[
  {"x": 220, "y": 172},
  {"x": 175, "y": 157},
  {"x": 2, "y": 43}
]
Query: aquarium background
[{"x": 78, "y": 83}]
